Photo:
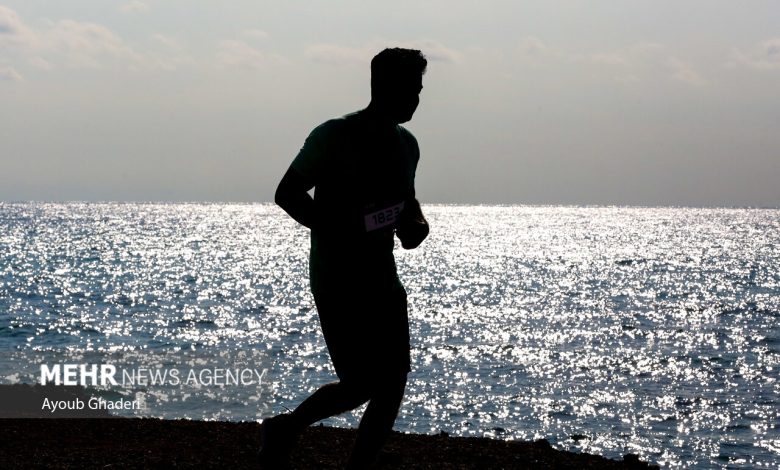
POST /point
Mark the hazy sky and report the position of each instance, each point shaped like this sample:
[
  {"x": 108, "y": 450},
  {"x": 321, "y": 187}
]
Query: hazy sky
[{"x": 544, "y": 102}]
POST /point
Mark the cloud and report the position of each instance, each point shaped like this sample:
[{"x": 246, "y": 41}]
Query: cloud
[
  {"x": 78, "y": 44},
  {"x": 434, "y": 50},
  {"x": 763, "y": 56},
  {"x": 335, "y": 54},
  {"x": 532, "y": 46},
  {"x": 237, "y": 53},
  {"x": 69, "y": 42},
  {"x": 645, "y": 60},
  {"x": 168, "y": 54},
  {"x": 610, "y": 59},
  {"x": 136, "y": 6},
  {"x": 13, "y": 32},
  {"x": 684, "y": 72},
  {"x": 87, "y": 44},
  {"x": 637, "y": 55},
  {"x": 338, "y": 54},
  {"x": 168, "y": 42},
  {"x": 40, "y": 63},
  {"x": 9, "y": 74},
  {"x": 254, "y": 34},
  {"x": 533, "y": 52}
]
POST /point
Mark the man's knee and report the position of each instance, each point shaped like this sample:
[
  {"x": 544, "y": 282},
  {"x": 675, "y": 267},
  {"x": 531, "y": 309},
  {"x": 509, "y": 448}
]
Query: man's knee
[
  {"x": 368, "y": 387},
  {"x": 356, "y": 391},
  {"x": 394, "y": 384}
]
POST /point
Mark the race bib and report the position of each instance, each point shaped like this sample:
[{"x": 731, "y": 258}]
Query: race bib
[{"x": 384, "y": 217}]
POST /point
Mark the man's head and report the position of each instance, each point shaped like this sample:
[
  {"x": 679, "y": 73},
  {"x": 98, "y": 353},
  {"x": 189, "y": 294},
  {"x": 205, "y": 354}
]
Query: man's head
[{"x": 396, "y": 82}]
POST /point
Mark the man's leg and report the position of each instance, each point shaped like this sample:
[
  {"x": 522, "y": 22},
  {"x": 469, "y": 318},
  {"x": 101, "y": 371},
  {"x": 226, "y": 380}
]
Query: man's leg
[
  {"x": 353, "y": 352},
  {"x": 389, "y": 369},
  {"x": 279, "y": 433},
  {"x": 346, "y": 344},
  {"x": 329, "y": 400},
  {"x": 377, "y": 421}
]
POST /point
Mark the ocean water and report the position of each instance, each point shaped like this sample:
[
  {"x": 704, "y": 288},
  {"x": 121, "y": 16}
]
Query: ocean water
[{"x": 602, "y": 329}]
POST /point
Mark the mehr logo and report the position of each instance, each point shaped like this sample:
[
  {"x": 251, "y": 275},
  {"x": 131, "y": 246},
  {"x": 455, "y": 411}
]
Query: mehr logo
[{"x": 77, "y": 374}]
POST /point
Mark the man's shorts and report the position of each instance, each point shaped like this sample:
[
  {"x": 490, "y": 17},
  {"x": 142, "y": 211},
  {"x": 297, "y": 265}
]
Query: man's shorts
[{"x": 367, "y": 333}]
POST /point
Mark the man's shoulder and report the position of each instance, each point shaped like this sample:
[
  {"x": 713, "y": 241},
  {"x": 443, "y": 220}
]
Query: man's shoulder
[
  {"x": 406, "y": 134},
  {"x": 329, "y": 127},
  {"x": 340, "y": 123},
  {"x": 410, "y": 142}
]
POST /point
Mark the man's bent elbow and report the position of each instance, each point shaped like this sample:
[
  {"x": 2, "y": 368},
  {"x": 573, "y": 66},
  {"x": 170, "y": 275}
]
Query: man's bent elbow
[
  {"x": 290, "y": 188},
  {"x": 279, "y": 196},
  {"x": 284, "y": 192}
]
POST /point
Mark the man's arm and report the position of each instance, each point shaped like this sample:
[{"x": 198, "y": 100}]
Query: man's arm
[
  {"x": 412, "y": 228},
  {"x": 292, "y": 196}
]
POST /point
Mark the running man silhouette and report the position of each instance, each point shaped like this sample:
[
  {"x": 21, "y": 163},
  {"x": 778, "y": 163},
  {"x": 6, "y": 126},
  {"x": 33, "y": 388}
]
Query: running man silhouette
[{"x": 362, "y": 169}]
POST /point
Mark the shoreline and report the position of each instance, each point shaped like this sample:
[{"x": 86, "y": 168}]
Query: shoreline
[{"x": 152, "y": 442}]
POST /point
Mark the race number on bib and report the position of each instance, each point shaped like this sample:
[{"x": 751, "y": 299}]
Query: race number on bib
[{"x": 384, "y": 217}]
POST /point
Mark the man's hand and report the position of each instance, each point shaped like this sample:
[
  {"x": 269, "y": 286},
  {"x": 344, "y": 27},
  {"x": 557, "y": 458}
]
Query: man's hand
[{"x": 412, "y": 228}]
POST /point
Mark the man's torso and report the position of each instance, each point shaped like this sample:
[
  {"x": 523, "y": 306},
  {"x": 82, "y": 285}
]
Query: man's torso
[{"x": 363, "y": 174}]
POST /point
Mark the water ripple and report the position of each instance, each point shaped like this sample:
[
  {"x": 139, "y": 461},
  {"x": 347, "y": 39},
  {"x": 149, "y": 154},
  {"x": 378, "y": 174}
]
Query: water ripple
[{"x": 604, "y": 329}]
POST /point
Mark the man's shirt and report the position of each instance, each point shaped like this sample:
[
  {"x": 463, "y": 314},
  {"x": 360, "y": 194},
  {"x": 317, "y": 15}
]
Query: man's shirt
[{"x": 363, "y": 174}]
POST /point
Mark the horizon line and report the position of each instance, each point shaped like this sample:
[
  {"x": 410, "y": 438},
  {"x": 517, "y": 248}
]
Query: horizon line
[{"x": 493, "y": 204}]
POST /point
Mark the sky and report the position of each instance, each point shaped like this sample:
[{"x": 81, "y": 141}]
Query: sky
[{"x": 647, "y": 102}]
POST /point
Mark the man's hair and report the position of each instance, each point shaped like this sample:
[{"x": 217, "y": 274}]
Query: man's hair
[{"x": 394, "y": 63}]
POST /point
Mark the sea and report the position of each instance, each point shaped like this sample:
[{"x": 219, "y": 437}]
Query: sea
[{"x": 608, "y": 330}]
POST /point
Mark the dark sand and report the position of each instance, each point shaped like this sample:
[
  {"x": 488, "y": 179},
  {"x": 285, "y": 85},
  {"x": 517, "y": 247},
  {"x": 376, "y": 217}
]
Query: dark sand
[{"x": 142, "y": 443}]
